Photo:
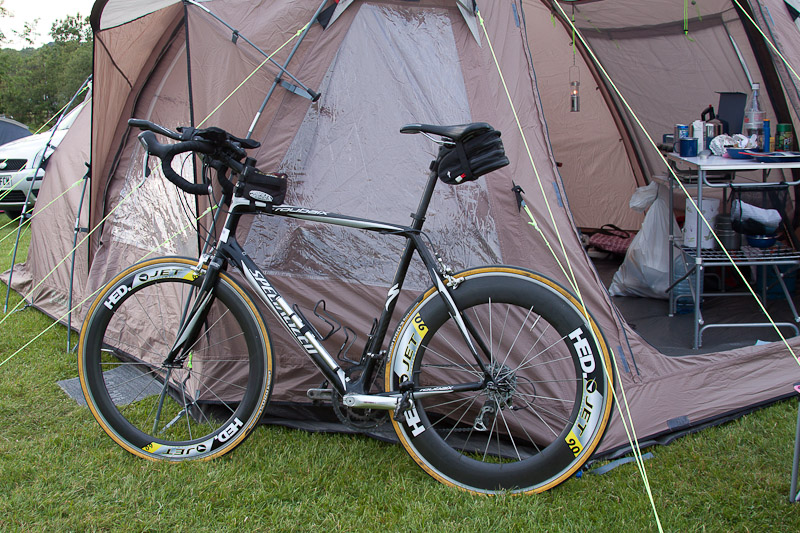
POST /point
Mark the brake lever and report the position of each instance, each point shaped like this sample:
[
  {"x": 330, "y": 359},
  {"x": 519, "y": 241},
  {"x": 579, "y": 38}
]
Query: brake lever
[{"x": 145, "y": 162}]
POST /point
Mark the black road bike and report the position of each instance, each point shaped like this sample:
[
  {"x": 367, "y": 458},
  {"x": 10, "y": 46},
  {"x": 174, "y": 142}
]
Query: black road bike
[{"x": 495, "y": 380}]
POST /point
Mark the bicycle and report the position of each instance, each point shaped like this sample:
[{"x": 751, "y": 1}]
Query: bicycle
[{"x": 495, "y": 379}]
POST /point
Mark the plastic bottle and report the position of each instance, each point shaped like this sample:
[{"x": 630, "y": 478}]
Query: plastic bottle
[
  {"x": 754, "y": 116},
  {"x": 684, "y": 304}
]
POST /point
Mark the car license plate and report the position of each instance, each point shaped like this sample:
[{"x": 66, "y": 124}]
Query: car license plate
[{"x": 5, "y": 180}]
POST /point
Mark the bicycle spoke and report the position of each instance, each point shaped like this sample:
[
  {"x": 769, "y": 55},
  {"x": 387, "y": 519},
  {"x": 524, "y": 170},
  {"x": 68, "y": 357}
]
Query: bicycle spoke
[{"x": 477, "y": 373}]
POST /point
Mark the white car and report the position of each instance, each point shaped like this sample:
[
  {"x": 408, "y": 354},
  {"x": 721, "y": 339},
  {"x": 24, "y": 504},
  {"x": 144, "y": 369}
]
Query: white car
[{"x": 23, "y": 162}]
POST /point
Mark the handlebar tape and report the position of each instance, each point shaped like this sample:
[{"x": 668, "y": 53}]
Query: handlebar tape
[
  {"x": 152, "y": 126},
  {"x": 166, "y": 152}
]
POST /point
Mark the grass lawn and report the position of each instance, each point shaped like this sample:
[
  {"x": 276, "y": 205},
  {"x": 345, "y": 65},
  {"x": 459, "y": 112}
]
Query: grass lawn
[{"x": 59, "y": 472}]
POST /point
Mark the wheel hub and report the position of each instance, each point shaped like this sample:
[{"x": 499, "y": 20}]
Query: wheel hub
[{"x": 499, "y": 392}]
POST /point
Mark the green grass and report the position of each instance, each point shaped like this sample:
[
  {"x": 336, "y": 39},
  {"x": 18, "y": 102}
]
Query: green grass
[{"x": 59, "y": 472}]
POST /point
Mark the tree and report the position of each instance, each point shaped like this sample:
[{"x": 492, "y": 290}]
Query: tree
[
  {"x": 3, "y": 13},
  {"x": 36, "y": 83},
  {"x": 71, "y": 29}
]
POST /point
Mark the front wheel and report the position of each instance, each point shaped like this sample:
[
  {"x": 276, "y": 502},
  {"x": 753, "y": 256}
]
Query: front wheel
[
  {"x": 531, "y": 412},
  {"x": 202, "y": 405}
]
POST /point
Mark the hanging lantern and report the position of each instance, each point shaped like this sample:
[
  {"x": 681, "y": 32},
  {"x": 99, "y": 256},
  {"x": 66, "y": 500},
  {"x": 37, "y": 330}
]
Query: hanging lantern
[
  {"x": 574, "y": 89},
  {"x": 574, "y": 75}
]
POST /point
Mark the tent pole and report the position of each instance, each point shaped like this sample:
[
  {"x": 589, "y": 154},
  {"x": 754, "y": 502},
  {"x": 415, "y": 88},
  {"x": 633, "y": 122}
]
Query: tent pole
[
  {"x": 283, "y": 69},
  {"x": 236, "y": 35},
  {"x": 773, "y": 86},
  {"x": 796, "y": 459},
  {"x": 24, "y": 216},
  {"x": 192, "y": 121},
  {"x": 78, "y": 229},
  {"x": 741, "y": 59}
]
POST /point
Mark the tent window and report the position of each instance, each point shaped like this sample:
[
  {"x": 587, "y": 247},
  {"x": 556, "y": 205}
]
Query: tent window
[
  {"x": 134, "y": 225},
  {"x": 349, "y": 155}
]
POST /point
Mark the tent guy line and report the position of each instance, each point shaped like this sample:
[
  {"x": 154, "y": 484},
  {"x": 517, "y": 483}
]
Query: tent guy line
[
  {"x": 311, "y": 140},
  {"x": 67, "y": 256},
  {"x": 767, "y": 40},
  {"x": 627, "y": 422},
  {"x": 253, "y": 73},
  {"x": 27, "y": 221},
  {"x": 626, "y": 416},
  {"x": 59, "y": 113},
  {"x": 90, "y": 296},
  {"x": 40, "y": 166}
]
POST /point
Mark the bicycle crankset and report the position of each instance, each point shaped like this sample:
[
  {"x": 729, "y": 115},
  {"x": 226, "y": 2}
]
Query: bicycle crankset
[{"x": 358, "y": 418}]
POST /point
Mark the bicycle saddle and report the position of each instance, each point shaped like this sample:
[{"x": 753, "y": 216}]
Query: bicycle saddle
[{"x": 456, "y": 132}]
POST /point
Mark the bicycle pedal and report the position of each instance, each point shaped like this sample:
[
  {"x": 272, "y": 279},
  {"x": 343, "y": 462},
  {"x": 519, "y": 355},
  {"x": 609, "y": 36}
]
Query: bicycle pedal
[
  {"x": 403, "y": 405},
  {"x": 320, "y": 394}
]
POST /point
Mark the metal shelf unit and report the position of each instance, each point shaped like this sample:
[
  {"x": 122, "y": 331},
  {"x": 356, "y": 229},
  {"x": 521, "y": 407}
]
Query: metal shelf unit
[{"x": 718, "y": 172}]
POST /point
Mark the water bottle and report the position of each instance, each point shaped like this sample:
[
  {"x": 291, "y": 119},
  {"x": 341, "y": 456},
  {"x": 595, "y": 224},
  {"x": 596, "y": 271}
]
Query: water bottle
[
  {"x": 684, "y": 304},
  {"x": 754, "y": 116}
]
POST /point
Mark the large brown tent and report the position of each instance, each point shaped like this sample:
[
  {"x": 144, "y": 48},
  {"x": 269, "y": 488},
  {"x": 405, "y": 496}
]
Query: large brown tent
[{"x": 381, "y": 64}]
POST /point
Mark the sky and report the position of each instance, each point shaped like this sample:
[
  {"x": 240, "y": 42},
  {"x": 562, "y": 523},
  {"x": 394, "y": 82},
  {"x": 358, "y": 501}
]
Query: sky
[{"x": 47, "y": 11}]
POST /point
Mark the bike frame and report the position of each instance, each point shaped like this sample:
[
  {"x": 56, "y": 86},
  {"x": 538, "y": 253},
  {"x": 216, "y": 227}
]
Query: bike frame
[{"x": 354, "y": 391}]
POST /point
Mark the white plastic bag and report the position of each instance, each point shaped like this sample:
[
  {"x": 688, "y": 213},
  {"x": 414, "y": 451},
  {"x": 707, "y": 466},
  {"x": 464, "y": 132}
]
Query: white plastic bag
[
  {"x": 643, "y": 197},
  {"x": 645, "y": 270}
]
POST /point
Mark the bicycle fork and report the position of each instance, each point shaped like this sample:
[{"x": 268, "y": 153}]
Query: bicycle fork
[{"x": 193, "y": 319}]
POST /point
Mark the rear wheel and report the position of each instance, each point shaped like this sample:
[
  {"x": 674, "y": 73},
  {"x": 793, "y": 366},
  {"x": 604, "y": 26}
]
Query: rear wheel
[
  {"x": 534, "y": 412},
  {"x": 200, "y": 408}
]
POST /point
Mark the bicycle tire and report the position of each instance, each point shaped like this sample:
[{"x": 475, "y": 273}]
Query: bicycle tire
[
  {"x": 199, "y": 411},
  {"x": 546, "y": 407}
]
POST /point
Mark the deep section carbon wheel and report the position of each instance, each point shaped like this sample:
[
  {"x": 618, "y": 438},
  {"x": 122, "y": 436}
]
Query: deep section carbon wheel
[
  {"x": 206, "y": 402},
  {"x": 530, "y": 412}
]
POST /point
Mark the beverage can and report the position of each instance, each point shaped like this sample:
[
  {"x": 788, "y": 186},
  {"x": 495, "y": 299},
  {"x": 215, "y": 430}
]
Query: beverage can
[
  {"x": 784, "y": 138},
  {"x": 681, "y": 132},
  {"x": 709, "y": 134}
]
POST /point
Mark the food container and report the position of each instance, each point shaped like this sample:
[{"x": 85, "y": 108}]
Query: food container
[
  {"x": 738, "y": 153},
  {"x": 681, "y": 132},
  {"x": 710, "y": 210},
  {"x": 729, "y": 239},
  {"x": 761, "y": 241}
]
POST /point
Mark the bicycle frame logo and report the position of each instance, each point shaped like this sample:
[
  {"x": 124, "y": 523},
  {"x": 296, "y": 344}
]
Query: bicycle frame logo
[{"x": 278, "y": 306}]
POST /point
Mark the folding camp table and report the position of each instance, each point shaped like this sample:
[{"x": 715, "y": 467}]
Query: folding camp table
[{"x": 699, "y": 258}]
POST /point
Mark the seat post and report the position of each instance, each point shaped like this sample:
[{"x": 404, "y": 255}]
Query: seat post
[{"x": 422, "y": 209}]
